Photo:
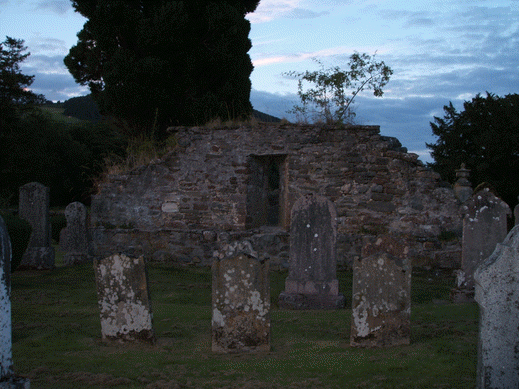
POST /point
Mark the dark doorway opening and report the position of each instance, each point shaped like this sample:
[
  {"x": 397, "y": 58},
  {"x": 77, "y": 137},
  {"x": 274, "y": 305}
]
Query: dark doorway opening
[{"x": 266, "y": 191}]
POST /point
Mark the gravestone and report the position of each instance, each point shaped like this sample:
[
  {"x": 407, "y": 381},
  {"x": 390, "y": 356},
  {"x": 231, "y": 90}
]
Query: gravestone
[
  {"x": 484, "y": 226},
  {"x": 462, "y": 188},
  {"x": 497, "y": 293},
  {"x": 7, "y": 377},
  {"x": 240, "y": 300},
  {"x": 74, "y": 238},
  {"x": 312, "y": 282},
  {"x": 124, "y": 299},
  {"x": 34, "y": 207},
  {"x": 381, "y": 295}
]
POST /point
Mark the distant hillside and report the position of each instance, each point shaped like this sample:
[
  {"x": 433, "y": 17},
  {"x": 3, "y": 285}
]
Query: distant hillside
[
  {"x": 85, "y": 108},
  {"x": 263, "y": 117}
]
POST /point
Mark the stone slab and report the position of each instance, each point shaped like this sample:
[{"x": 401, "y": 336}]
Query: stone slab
[
  {"x": 381, "y": 295},
  {"x": 34, "y": 207},
  {"x": 124, "y": 299},
  {"x": 7, "y": 378},
  {"x": 497, "y": 293},
  {"x": 312, "y": 280},
  {"x": 240, "y": 300}
]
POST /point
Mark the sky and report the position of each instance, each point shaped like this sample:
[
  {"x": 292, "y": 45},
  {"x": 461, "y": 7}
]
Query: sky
[{"x": 440, "y": 51}]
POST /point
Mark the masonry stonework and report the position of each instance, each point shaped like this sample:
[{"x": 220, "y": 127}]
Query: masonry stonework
[{"x": 241, "y": 182}]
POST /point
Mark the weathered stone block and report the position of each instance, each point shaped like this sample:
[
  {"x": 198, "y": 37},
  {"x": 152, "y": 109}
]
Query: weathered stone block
[
  {"x": 7, "y": 378},
  {"x": 240, "y": 300},
  {"x": 124, "y": 299},
  {"x": 75, "y": 237},
  {"x": 484, "y": 226},
  {"x": 34, "y": 207},
  {"x": 311, "y": 281},
  {"x": 497, "y": 293},
  {"x": 381, "y": 300}
]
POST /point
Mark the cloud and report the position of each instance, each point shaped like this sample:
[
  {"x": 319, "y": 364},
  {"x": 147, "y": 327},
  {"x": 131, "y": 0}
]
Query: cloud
[
  {"x": 299, "y": 13},
  {"x": 272, "y": 9},
  {"x": 57, "y": 86},
  {"x": 57, "y": 6}
]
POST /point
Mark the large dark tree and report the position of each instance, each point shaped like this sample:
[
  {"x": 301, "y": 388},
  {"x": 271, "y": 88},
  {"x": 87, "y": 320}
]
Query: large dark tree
[
  {"x": 484, "y": 136},
  {"x": 158, "y": 63},
  {"x": 14, "y": 92}
]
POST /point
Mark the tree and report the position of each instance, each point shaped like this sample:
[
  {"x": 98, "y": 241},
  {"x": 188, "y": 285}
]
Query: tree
[
  {"x": 82, "y": 107},
  {"x": 159, "y": 63},
  {"x": 14, "y": 92},
  {"x": 484, "y": 136},
  {"x": 329, "y": 100}
]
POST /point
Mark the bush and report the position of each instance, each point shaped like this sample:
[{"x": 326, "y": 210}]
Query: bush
[
  {"x": 20, "y": 232},
  {"x": 57, "y": 222}
]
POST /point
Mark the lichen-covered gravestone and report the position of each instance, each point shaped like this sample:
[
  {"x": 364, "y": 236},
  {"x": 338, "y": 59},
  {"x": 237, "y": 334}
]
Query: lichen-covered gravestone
[
  {"x": 381, "y": 300},
  {"x": 240, "y": 300},
  {"x": 124, "y": 299},
  {"x": 34, "y": 207},
  {"x": 7, "y": 378},
  {"x": 74, "y": 238},
  {"x": 312, "y": 281},
  {"x": 497, "y": 293},
  {"x": 484, "y": 226}
]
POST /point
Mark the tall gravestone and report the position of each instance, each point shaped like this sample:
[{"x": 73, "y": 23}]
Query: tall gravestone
[
  {"x": 240, "y": 300},
  {"x": 484, "y": 226},
  {"x": 381, "y": 296},
  {"x": 7, "y": 378},
  {"x": 34, "y": 207},
  {"x": 124, "y": 299},
  {"x": 497, "y": 293},
  {"x": 75, "y": 237},
  {"x": 312, "y": 282}
]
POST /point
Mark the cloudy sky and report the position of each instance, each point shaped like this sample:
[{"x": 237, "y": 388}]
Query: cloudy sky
[{"x": 439, "y": 50}]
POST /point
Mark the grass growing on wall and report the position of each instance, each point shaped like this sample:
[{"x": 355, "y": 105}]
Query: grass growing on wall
[{"x": 57, "y": 342}]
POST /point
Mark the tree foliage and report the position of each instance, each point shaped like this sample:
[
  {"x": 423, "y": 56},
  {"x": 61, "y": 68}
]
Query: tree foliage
[
  {"x": 14, "y": 92},
  {"x": 82, "y": 107},
  {"x": 484, "y": 136},
  {"x": 328, "y": 100},
  {"x": 158, "y": 63},
  {"x": 66, "y": 158}
]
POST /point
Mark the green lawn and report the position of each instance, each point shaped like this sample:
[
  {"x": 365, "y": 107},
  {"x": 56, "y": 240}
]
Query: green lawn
[{"x": 56, "y": 339}]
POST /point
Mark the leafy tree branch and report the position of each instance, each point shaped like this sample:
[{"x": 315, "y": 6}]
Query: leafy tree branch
[{"x": 328, "y": 99}]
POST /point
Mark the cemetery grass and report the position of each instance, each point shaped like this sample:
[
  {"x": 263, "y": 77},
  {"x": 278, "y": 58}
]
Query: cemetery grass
[{"x": 57, "y": 344}]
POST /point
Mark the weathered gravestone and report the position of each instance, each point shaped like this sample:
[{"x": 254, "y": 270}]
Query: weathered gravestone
[
  {"x": 381, "y": 299},
  {"x": 75, "y": 237},
  {"x": 484, "y": 226},
  {"x": 124, "y": 299},
  {"x": 34, "y": 207},
  {"x": 240, "y": 300},
  {"x": 7, "y": 378},
  {"x": 312, "y": 282},
  {"x": 497, "y": 293}
]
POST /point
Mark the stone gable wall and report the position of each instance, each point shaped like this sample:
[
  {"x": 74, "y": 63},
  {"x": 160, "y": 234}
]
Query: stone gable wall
[{"x": 180, "y": 208}]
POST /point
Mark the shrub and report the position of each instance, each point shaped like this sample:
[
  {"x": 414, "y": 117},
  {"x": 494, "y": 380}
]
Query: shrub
[
  {"x": 19, "y": 231},
  {"x": 57, "y": 222}
]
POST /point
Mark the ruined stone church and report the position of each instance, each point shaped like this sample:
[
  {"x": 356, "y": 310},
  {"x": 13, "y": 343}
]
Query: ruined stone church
[{"x": 228, "y": 183}]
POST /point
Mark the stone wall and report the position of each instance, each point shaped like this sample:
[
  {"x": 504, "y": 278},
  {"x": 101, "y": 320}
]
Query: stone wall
[{"x": 227, "y": 184}]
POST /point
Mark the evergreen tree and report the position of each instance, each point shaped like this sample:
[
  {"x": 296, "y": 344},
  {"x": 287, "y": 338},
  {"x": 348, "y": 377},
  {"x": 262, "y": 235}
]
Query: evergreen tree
[
  {"x": 160, "y": 63},
  {"x": 484, "y": 136},
  {"x": 14, "y": 92}
]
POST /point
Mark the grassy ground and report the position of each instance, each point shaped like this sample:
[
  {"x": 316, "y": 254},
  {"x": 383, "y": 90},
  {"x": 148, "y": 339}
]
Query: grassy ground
[{"x": 57, "y": 341}]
